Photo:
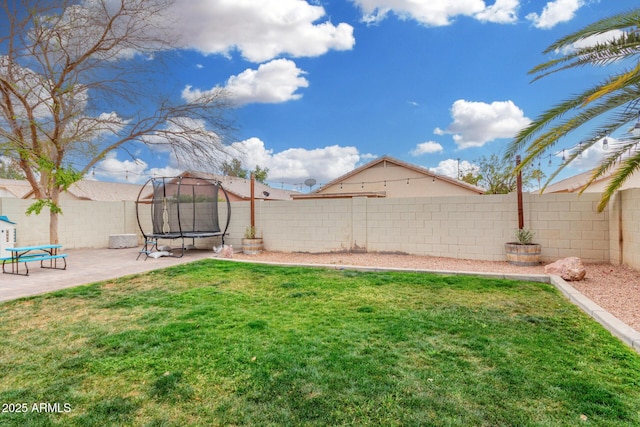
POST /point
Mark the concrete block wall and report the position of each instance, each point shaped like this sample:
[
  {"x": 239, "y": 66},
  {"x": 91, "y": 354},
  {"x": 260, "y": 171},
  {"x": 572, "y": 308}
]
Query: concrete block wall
[
  {"x": 82, "y": 224},
  {"x": 630, "y": 227},
  {"x": 470, "y": 227},
  {"x": 309, "y": 225},
  {"x": 569, "y": 225},
  {"x": 83, "y": 227},
  {"x": 240, "y": 218},
  {"x": 615, "y": 229}
]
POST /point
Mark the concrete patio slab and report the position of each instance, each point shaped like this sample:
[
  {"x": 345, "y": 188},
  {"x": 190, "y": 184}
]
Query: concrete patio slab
[{"x": 87, "y": 266}]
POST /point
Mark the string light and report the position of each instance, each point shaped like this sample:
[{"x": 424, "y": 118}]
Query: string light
[
  {"x": 345, "y": 185},
  {"x": 577, "y": 149},
  {"x": 560, "y": 153}
]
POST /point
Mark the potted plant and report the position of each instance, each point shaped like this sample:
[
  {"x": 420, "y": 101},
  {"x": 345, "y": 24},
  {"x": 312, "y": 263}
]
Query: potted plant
[
  {"x": 251, "y": 245},
  {"x": 523, "y": 252}
]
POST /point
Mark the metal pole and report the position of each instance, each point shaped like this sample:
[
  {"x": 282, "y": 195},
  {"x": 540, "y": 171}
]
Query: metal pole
[
  {"x": 519, "y": 186},
  {"x": 253, "y": 202}
]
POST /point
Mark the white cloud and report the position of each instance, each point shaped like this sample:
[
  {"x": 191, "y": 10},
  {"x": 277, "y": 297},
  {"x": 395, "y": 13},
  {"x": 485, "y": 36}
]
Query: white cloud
[
  {"x": 168, "y": 141},
  {"x": 592, "y": 41},
  {"x": 451, "y": 167},
  {"x": 477, "y": 123},
  {"x": 427, "y": 12},
  {"x": 34, "y": 87},
  {"x": 133, "y": 171},
  {"x": 274, "y": 82},
  {"x": 555, "y": 12},
  {"x": 165, "y": 171},
  {"x": 294, "y": 165},
  {"x": 591, "y": 157},
  {"x": 106, "y": 124},
  {"x": 439, "y": 12},
  {"x": 260, "y": 29},
  {"x": 428, "y": 147},
  {"x": 501, "y": 12}
]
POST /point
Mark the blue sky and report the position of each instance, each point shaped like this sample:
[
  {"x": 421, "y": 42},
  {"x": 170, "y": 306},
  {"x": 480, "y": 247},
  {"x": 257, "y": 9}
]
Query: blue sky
[{"x": 322, "y": 87}]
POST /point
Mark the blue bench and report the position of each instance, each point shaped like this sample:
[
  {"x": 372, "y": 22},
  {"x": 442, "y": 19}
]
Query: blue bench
[{"x": 27, "y": 254}]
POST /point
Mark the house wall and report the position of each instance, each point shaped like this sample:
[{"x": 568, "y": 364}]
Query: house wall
[
  {"x": 468, "y": 227},
  {"x": 5, "y": 193},
  {"x": 598, "y": 186},
  {"x": 392, "y": 179}
]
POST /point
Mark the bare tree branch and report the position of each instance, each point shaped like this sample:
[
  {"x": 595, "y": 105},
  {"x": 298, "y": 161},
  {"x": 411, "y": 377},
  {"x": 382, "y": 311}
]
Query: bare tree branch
[{"x": 79, "y": 80}]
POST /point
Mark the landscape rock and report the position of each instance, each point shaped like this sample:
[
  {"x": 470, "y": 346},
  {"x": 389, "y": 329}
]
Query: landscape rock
[{"x": 570, "y": 269}]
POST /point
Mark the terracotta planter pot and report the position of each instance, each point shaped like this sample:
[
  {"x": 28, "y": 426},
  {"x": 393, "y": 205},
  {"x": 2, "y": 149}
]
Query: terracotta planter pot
[
  {"x": 523, "y": 255},
  {"x": 252, "y": 246}
]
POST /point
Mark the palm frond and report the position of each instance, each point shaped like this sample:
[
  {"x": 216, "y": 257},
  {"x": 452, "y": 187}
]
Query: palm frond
[
  {"x": 608, "y": 163},
  {"x": 599, "y": 54},
  {"x": 613, "y": 101},
  {"x": 608, "y": 102},
  {"x": 623, "y": 20},
  {"x": 624, "y": 172},
  {"x": 544, "y": 120},
  {"x": 619, "y": 82}
]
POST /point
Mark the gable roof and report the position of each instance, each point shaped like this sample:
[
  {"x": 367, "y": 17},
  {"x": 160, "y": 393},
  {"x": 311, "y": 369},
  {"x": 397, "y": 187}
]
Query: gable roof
[
  {"x": 577, "y": 182},
  {"x": 104, "y": 191},
  {"x": 241, "y": 187},
  {"x": 84, "y": 190},
  {"x": 18, "y": 187},
  {"x": 400, "y": 163}
]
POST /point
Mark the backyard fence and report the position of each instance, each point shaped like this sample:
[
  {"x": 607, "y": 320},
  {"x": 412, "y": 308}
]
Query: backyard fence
[{"x": 469, "y": 227}]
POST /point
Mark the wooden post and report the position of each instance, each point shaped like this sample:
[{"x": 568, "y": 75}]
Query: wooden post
[
  {"x": 519, "y": 186},
  {"x": 253, "y": 201}
]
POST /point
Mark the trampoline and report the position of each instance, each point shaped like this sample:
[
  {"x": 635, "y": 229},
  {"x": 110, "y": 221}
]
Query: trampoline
[{"x": 181, "y": 208}]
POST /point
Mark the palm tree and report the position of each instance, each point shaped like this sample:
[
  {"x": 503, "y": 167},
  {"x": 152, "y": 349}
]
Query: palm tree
[
  {"x": 613, "y": 103},
  {"x": 538, "y": 175}
]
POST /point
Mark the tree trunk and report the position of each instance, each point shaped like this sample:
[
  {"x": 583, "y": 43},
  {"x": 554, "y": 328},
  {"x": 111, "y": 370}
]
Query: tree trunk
[
  {"x": 53, "y": 217},
  {"x": 53, "y": 227}
]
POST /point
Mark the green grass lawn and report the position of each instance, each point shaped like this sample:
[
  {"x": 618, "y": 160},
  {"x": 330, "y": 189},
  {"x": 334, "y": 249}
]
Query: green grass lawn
[{"x": 219, "y": 343}]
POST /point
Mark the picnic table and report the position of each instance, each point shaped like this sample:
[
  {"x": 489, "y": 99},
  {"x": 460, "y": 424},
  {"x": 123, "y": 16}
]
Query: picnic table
[{"x": 40, "y": 253}]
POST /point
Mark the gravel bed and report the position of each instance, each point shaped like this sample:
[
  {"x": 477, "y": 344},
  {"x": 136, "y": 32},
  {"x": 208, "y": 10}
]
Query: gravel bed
[{"x": 614, "y": 288}]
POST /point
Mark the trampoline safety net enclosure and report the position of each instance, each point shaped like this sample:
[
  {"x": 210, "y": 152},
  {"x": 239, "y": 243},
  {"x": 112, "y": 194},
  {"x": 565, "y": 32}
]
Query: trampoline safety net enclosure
[{"x": 182, "y": 208}]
